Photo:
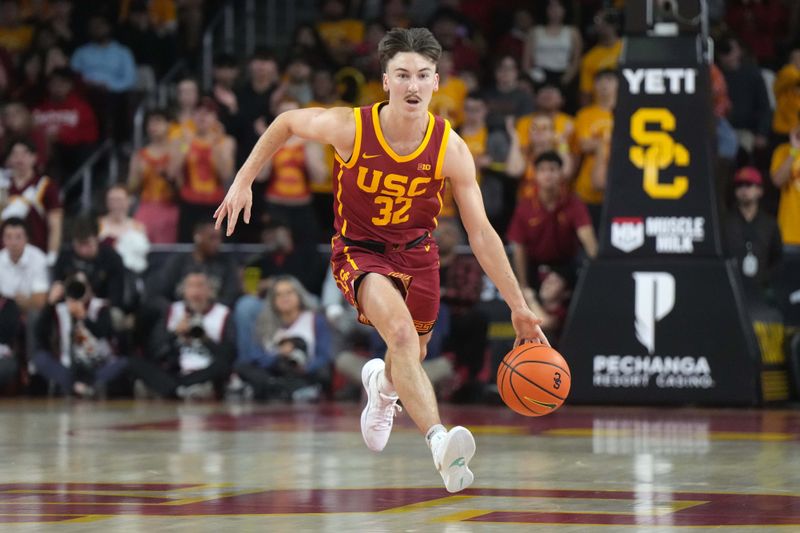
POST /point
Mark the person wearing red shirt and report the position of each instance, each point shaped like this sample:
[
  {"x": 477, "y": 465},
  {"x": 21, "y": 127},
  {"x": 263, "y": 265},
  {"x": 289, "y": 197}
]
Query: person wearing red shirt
[
  {"x": 68, "y": 121},
  {"x": 547, "y": 227},
  {"x": 392, "y": 159}
]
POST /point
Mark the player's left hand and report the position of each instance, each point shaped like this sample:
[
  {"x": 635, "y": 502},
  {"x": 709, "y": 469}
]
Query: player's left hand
[{"x": 527, "y": 327}]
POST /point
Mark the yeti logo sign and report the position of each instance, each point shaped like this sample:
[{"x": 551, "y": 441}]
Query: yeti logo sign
[
  {"x": 655, "y": 298},
  {"x": 661, "y": 80},
  {"x": 627, "y": 233}
]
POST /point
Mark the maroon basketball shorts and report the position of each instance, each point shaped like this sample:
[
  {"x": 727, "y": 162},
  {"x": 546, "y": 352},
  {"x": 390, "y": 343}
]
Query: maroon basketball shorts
[{"x": 414, "y": 271}]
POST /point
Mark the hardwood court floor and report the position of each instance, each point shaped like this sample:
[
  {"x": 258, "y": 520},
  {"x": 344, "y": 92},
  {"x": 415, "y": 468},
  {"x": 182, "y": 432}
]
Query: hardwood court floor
[{"x": 152, "y": 467}]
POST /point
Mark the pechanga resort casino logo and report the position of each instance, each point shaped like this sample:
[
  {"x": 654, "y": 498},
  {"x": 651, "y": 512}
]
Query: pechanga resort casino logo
[{"x": 654, "y": 299}]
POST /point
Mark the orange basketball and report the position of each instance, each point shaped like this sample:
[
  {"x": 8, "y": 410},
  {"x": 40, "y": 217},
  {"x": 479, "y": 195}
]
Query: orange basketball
[{"x": 533, "y": 379}]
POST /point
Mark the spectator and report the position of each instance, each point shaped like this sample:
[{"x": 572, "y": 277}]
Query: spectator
[
  {"x": 127, "y": 235},
  {"x": 77, "y": 348},
  {"x": 15, "y": 36},
  {"x": 68, "y": 121},
  {"x": 104, "y": 62},
  {"x": 461, "y": 285},
  {"x": 33, "y": 198},
  {"x": 9, "y": 328},
  {"x": 187, "y": 93},
  {"x": 29, "y": 87},
  {"x": 60, "y": 22},
  {"x": 98, "y": 261},
  {"x": 542, "y": 138},
  {"x": 296, "y": 83},
  {"x": 110, "y": 71},
  {"x": 785, "y": 173},
  {"x": 752, "y": 236},
  {"x": 289, "y": 175},
  {"x": 284, "y": 343},
  {"x": 448, "y": 101},
  {"x": 548, "y": 227},
  {"x": 149, "y": 177},
  {"x": 24, "y": 267},
  {"x": 254, "y": 101},
  {"x": 225, "y": 77},
  {"x": 194, "y": 347},
  {"x": 283, "y": 255},
  {"x": 16, "y": 122},
  {"x": 340, "y": 33},
  {"x": 449, "y": 28},
  {"x": 151, "y": 54},
  {"x": 552, "y": 51},
  {"x": 203, "y": 165},
  {"x": 593, "y": 127},
  {"x": 513, "y": 43},
  {"x": 604, "y": 55},
  {"x": 222, "y": 272},
  {"x": 761, "y": 25},
  {"x": 395, "y": 14},
  {"x": 750, "y": 113},
  {"x": 476, "y": 136},
  {"x": 506, "y": 97},
  {"x": 307, "y": 42},
  {"x": 162, "y": 14},
  {"x": 787, "y": 94},
  {"x": 549, "y": 101},
  {"x": 365, "y": 59},
  {"x": 551, "y": 301}
]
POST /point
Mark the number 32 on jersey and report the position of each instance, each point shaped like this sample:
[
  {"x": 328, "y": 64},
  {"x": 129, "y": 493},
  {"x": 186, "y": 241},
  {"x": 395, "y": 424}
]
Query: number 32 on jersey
[
  {"x": 656, "y": 151},
  {"x": 395, "y": 194}
]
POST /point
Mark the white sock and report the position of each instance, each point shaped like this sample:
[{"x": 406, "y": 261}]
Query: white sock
[
  {"x": 435, "y": 433},
  {"x": 385, "y": 386}
]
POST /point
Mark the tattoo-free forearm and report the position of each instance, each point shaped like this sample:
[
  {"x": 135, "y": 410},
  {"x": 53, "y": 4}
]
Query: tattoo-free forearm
[{"x": 489, "y": 250}]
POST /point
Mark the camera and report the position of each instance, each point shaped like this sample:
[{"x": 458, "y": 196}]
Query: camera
[
  {"x": 295, "y": 351},
  {"x": 75, "y": 289},
  {"x": 196, "y": 329}
]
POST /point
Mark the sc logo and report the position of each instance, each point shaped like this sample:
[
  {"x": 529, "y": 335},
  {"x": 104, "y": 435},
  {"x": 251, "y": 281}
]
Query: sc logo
[{"x": 656, "y": 151}]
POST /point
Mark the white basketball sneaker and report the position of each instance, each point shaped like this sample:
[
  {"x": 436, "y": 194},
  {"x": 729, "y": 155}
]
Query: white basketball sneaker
[
  {"x": 451, "y": 455},
  {"x": 378, "y": 416}
]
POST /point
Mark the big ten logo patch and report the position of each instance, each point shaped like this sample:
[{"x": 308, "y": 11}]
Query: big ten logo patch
[
  {"x": 395, "y": 193},
  {"x": 656, "y": 150}
]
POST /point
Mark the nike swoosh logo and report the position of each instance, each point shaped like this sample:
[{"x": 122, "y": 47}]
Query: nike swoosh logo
[
  {"x": 541, "y": 404},
  {"x": 365, "y": 156}
]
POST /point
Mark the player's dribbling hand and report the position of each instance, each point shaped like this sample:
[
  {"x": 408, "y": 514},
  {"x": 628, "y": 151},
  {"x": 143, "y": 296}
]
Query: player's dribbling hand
[
  {"x": 527, "y": 327},
  {"x": 238, "y": 199}
]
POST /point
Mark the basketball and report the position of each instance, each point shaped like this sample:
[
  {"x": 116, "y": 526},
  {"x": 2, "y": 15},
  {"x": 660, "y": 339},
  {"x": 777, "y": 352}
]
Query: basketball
[{"x": 533, "y": 379}]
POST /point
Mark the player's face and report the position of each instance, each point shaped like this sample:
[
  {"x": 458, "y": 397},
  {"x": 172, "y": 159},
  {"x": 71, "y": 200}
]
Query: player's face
[{"x": 410, "y": 80}]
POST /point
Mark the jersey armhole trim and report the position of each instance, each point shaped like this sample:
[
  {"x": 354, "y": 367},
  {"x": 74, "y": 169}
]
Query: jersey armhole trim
[{"x": 350, "y": 163}]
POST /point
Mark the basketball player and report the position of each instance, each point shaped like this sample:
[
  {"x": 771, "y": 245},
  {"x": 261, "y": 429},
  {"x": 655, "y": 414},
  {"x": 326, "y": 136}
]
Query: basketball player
[{"x": 391, "y": 162}]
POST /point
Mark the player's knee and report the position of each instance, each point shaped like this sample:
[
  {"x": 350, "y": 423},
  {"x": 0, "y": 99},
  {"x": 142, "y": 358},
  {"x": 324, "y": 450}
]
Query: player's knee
[{"x": 401, "y": 338}]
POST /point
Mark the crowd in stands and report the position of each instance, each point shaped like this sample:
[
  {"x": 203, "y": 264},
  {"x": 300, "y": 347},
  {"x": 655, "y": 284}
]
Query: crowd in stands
[{"x": 88, "y": 309}]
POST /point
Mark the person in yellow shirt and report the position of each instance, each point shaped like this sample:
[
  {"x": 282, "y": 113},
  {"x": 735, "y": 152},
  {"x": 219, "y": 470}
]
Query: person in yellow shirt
[
  {"x": 475, "y": 134},
  {"x": 14, "y": 35},
  {"x": 162, "y": 14},
  {"x": 448, "y": 101},
  {"x": 340, "y": 33},
  {"x": 604, "y": 55},
  {"x": 785, "y": 174},
  {"x": 787, "y": 94},
  {"x": 593, "y": 127},
  {"x": 549, "y": 101},
  {"x": 542, "y": 138}
]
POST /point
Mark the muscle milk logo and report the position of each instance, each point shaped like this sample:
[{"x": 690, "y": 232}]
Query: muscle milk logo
[
  {"x": 653, "y": 300},
  {"x": 661, "y": 80},
  {"x": 675, "y": 235},
  {"x": 627, "y": 233}
]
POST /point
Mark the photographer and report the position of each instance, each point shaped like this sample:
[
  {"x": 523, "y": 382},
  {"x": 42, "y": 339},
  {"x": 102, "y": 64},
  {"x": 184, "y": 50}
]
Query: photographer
[
  {"x": 284, "y": 344},
  {"x": 77, "y": 344},
  {"x": 193, "y": 348}
]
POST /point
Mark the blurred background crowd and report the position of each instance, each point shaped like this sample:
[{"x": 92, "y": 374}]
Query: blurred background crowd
[{"x": 123, "y": 122}]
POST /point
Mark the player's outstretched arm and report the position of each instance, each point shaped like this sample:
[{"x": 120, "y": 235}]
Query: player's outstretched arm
[
  {"x": 335, "y": 126},
  {"x": 459, "y": 166}
]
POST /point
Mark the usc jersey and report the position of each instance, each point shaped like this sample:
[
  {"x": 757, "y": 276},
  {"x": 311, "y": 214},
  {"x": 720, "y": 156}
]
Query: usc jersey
[{"x": 382, "y": 196}]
